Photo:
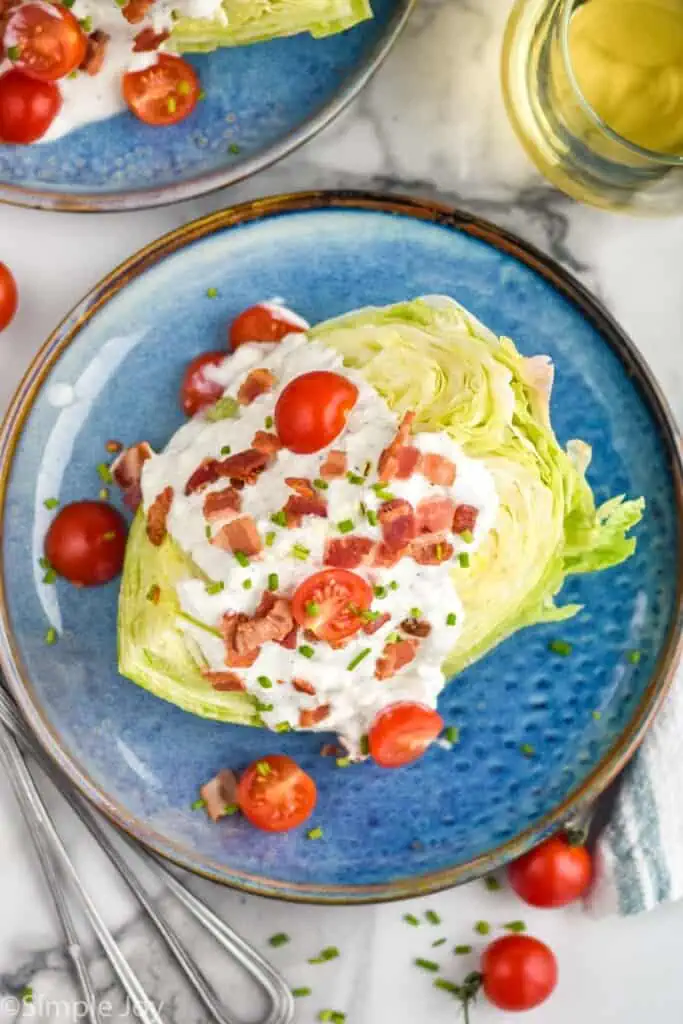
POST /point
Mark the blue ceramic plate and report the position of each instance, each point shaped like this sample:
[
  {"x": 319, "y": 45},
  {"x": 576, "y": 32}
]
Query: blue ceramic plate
[
  {"x": 455, "y": 813},
  {"x": 262, "y": 101}
]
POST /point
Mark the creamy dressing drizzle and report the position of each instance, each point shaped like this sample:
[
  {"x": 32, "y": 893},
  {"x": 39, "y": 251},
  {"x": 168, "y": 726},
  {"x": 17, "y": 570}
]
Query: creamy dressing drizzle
[{"x": 354, "y": 696}]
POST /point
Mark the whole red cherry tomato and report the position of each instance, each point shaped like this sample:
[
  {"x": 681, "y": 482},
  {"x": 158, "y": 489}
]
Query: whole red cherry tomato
[
  {"x": 311, "y": 411},
  {"x": 553, "y": 874},
  {"x": 518, "y": 972},
  {"x": 86, "y": 543},
  {"x": 8, "y": 296},
  {"x": 27, "y": 107}
]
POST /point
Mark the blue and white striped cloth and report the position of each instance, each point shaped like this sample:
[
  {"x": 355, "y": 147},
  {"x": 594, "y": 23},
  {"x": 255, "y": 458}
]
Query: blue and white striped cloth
[{"x": 640, "y": 852}]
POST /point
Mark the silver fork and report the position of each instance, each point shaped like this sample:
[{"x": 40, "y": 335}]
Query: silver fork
[{"x": 51, "y": 853}]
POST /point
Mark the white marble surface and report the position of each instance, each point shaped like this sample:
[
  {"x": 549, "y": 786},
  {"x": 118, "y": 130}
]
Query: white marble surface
[{"x": 431, "y": 123}]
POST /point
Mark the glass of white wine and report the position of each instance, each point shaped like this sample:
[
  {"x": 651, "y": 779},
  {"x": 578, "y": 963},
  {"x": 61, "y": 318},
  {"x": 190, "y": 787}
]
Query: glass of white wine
[{"x": 594, "y": 90}]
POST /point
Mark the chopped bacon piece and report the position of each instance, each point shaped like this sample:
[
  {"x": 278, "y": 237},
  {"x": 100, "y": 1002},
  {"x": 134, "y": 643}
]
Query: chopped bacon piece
[
  {"x": 296, "y": 507},
  {"x": 126, "y": 471},
  {"x": 300, "y": 485},
  {"x": 219, "y": 504},
  {"x": 334, "y": 465},
  {"x": 347, "y": 552},
  {"x": 384, "y": 557},
  {"x": 114, "y": 447},
  {"x": 464, "y": 518},
  {"x": 301, "y": 686},
  {"x": 242, "y": 467},
  {"x": 154, "y": 593},
  {"x": 289, "y": 641},
  {"x": 95, "y": 52},
  {"x": 396, "y": 656},
  {"x": 157, "y": 514},
  {"x": 227, "y": 681},
  {"x": 431, "y": 551},
  {"x": 267, "y": 602},
  {"x": 398, "y": 523},
  {"x": 257, "y": 382},
  {"x": 312, "y": 716},
  {"x": 228, "y": 628},
  {"x": 416, "y": 627},
  {"x": 262, "y": 441},
  {"x": 275, "y": 625},
  {"x": 374, "y": 624},
  {"x": 407, "y": 459},
  {"x": 219, "y": 793},
  {"x": 434, "y": 515},
  {"x": 389, "y": 460},
  {"x": 135, "y": 11},
  {"x": 438, "y": 469},
  {"x": 239, "y": 535},
  {"x": 148, "y": 40},
  {"x": 206, "y": 473},
  {"x": 332, "y": 750}
]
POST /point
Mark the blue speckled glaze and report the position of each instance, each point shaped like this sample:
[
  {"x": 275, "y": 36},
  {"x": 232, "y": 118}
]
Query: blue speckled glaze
[
  {"x": 386, "y": 833},
  {"x": 262, "y": 99}
]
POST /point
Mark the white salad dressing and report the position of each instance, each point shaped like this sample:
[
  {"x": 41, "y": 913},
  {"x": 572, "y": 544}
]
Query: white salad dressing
[{"x": 354, "y": 696}]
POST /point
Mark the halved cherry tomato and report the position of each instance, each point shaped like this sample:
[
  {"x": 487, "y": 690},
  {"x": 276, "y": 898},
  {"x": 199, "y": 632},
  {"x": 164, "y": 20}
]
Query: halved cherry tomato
[
  {"x": 196, "y": 390},
  {"x": 312, "y": 410},
  {"x": 44, "y": 40},
  {"x": 261, "y": 323},
  {"x": 402, "y": 732},
  {"x": 86, "y": 543},
  {"x": 164, "y": 93},
  {"x": 8, "y": 296},
  {"x": 329, "y": 603},
  {"x": 519, "y": 972},
  {"x": 27, "y": 107},
  {"x": 275, "y": 794},
  {"x": 553, "y": 874}
]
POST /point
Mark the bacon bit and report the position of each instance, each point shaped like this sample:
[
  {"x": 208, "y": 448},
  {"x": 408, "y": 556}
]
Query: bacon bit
[
  {"x": 407, "y": 460},
  {"x": 434, "y": 515},
  {"x": 416, "y": 627},
  {"x": 135, "y": 11},
  {"x": 157, "y": 515},
  {"x": 126, "y": 471},
  {"x": 242, "y": 467},
  {"x": 398, "y": 523},
  {"x": 384, "y": 557},
  {"x": 237, "y": 484},
  {"x": 389, "y": 460},
  {"x": 228, "y": 627},
  {"x": 374, "y": 624},
  {"x": 438, "y": 469},
  {"x": 289, "y": 641},
  {"x": 301, "y": 486},
  {"x": 301, "y": 686},
  {"x": 296, "y": 507},
  {"x": 257, "y": 382},
  {"x": 347, "y": 552},
  {"x": 206, "y": 473},
  {"x": 219, "y": 793},
  {"x": 95, "y": 52},
  {"x": 334, "y": 465},
  {"x": 464, "y": 518},
  {"x": 275, "y": 625},
  {"x": 239, "y": 534},
  {"x": 433, "y": 551},
  {"x": 229, "y": 682},
  {"x": 114, "y": 447},
  {"x": 266, "y": 604},
  {"x": 154, "y": 593},
  {"x": 396, "y": 656},
  {"x": 312, "y": 716},
  {"x": 262, "y": 441},
  {"x": 148, "y": 40},
  {"x": 219, "y": 504},
  {"x": 332, "y": 750}
]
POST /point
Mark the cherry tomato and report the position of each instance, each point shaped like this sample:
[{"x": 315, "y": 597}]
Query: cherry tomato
[
  {"x": 27, "y": 107},
  {"x": 312, "y": 410},
  {"x": 196, "y": 390},
  {"x": 44, "y": 40},
  {"x": 553, "y": 874},
  {"x": 261, "y": 323},
  {"x": 519, "y": 972},
  {"x": 275, "y": 794},
  {"x": 86, "y": 543},
  {"x": 165, "y": 93},
  {"x": 402, "y": 732},
  {"x": 8, "y": 296},
  {"x": 329, "y": 604}
]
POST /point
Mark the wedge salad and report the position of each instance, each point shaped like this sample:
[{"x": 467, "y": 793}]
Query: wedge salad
[{"x": 65, "y": 64}]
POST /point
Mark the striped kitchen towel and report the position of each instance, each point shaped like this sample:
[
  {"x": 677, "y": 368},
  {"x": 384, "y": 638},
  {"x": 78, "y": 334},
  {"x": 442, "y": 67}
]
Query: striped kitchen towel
[{"x": 640, "y": 851}]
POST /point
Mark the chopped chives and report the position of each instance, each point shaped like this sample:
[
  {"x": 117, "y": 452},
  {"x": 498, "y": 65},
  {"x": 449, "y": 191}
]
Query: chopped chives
[
  {"x": 345, "y": 526},
  {"x": 242, "y": 559},
  {"x": 268, "y": 422},
  {"x": 332, "y": 1017},
  {"x": 306, "y": 651},
  {"x": 103, "y": 494},
  {"x": 393, "y": 638},
  {"x": 329, "y": 953},
  {"x": 393, "y": 585},
  {"x": 104, "y": 473},
  {"x": 463, "y": 559},
  {"x": 452, "y": 734},
  {"x": 282, "y": 727},
  {"x": 597, "y": 715},
  {"x": 13, "y": 52},
  {"x": 197, "y": 805},
  {"x": 322, "y": 485},
  {"x": 207, "y": 531},
  {"x": 426, "y": 965},
  {"x": 633, "y": 657},
  {"x": 364, "y": 745},
  {"x": 211, "y": 293},
  {"x": 314, "y": 833},
  {"x": 492, "y": 883},
  {"x": 270, "y": 538},
  {"x": 527, "y": 749},
  {"x": 51, "y": 503},
  {"x": 437, "y": 943},
  {"x": 467, "y": 536},
  {"x": 265, "y": 682},
  {"x": 43, "y": 563},
  {"x": 263, "y": 708},
  {"x": 234, "y": 148},
  {"x": 415, "y": 613},
  {"x": 26, "y": 994},
  {"x": 380, "y": 591},
  {"x": 312, "y": 609},
  {"x": 432, "y": 917},
  {"x": 51, "y": 636},
  {"x": 561, "y": 647},
  {"x": 355, "y": 662},
  {"x": 247, "y": 584},
  {"x": 515, "y": 927},
  {"x": 273, "y": 581},
  {"x": 371, "y": 517},
  {"x": 301, "y": 993},
  {"x": 451, "y": 619},
  {"x": 230, "y": 809},
  {"x": 354, "y": 478},
  {"x": 214, "y": 587},
  {"x": 86, "y": 24},
  {"x": 263, "y": 768},
  {"x": 411, "y": 919},
  {"x": 482, "y": 928},
  {"x": 367, "y": 468},
  {"x": 300, "y": 552},
  {"x": 280, "y": 939},
  {"x": 50, "y": 576},
  {"x": 462, "y": 950},
  {"x": 279, "y": 518},
  {"x": 447, "y": 986},
  {"x": 226, "y": 449},
  {"x": 343, "y": 762}
]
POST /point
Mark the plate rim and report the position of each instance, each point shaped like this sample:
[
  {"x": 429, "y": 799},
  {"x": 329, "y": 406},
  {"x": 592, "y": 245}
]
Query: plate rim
[
  {"x": 206, "y": 184},
  {"x": 623, "y": 747}
]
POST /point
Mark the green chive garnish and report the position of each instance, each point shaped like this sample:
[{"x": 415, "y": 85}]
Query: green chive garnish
[
  {"x": 265, "y": 682},
  {"x": 463, "y": 559},
  {"x": 51, "y": 636},
  {"x": 371, "y": 517},
  {"x": 242, "y": 559},
  {"x": 364, "y": 745},
  {"x": 247, "y": 584},
  {"x": 234, "y": 148},
  {"x": 273, "y": 581},
  {"x": 26, "y": 994},
  {"x": 300, "y": 552},
  {"x": 432, "y": 917},
  {"x": 426, "y": 965},
  {"x": 207, "y": 531},
  {"x": 415, "y": 613},
  {"x": 171, "y": 104},
  {"x": 43, "y": 563},
  {"x": 447, "y": 986},
  {"x": 437, "y": 943},
  {"x": 515, "y": 926},
  {"x": 263, "y": 768},
  {"x": 329, "y": 953},
  {"x": 380, "y": 591},
  {"x": 393, "y": 585},
  {"x": 51, "y": 503},
  {"x": 345, "y": 526},
  {"x": 197, "y": 805},
  {"x": 226, "y": 449},
  {"x": 86, "y": 24},
  {"x": 451, "y": 619},
  {"x": 230, "y": 809},
  {"x": 50, "y": 576},
  {"x": 13, "y": 52},
  {"x": 353, "y": 478},
  {"x": 411, "y": 919},
  {"x": 633, "y": 657},
  {"x": 466, "y": 535},
  {"x": 492, "y": 883},
  {"x": 355, "y": 662},
  {"x": 270, "y": 538},
  {"x": 527, "y": 750},
  {"x": 281, "y": 939},
  {"x": 452, "y": 734},
  {"x": 226, "y": 408},
  {"x": 301, "y": 993},
  {"x": 215, "y": 587},
  {"x": 322, "y": 485},
  {"x": 561, "y": 647},
  {"x": 343, "y": 762},
  {"x": 104, "y": 472},
  {"x": 306, "y": 651},
  {"x": 279, "y": 518},
  {"x": 332, "y": 1017},
  {"x": 263, "y": 708},
  {"x": 269, "y": 422},
  {"x": 103, "y": 494},
  {"x": 482, "y": 927},
  {"x": 393, "y": 638},
  {"x": 183, "y": 88},
  {"x": 312, "y": 609},
  {"x": 314, "y": 833},
  {"x": 202, "y": 92},
  {"x": 211, "y": 293},
  {"x": 282, "y": 727},
  {"x": 462, "y": 950}
]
